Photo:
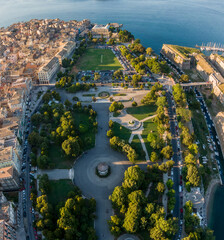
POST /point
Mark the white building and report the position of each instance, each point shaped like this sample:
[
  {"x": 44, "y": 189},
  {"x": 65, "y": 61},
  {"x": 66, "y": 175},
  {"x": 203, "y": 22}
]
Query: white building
[
  {"x": 100, "y": 30},
  {"x": 66, "y": 52},
  {"x": 216, "y": 79},
  {"x": 47, "y": 72}
]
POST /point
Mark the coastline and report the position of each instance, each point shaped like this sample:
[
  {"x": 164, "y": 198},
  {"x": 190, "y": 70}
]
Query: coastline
[{"x": 209, "y": 197}]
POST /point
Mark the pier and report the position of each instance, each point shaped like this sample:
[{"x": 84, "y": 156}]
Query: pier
[{"x": 217, "y": 47}]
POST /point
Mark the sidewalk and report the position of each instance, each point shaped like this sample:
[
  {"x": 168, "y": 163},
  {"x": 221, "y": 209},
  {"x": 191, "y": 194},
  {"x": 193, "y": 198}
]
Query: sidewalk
[{"x": 57, "y": 174}]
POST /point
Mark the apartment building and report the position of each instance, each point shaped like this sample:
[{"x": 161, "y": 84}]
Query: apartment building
[
  {"x": 47, "y": 72},
  {"x": 7, "y": 211},
  {"x": 178, "y": 58},
  {"x": 67, "y": 51},
  {"x": 7, "y": 232},
  {"x": 9, "y": 179},
  {"x": 218, "y": 62},
  {"x": 10, "y": 156}
]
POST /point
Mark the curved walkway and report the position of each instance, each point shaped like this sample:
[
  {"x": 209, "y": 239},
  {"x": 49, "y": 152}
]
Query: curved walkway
[{"x": 93, "y": 186}]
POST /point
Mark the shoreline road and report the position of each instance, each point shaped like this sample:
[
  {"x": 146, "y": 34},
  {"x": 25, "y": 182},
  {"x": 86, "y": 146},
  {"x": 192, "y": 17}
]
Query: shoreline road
[{"x": 93, "y": 186}]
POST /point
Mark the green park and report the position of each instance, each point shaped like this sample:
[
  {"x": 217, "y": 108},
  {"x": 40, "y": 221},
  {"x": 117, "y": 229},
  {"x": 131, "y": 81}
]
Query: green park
[{"x": 98, "y": 59}]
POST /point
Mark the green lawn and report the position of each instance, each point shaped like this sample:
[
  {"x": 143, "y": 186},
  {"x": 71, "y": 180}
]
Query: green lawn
[
  {"x": 98, "y": 59},
  {"x": 121, "y": 132},
  {"x": 142, "y": 111},
  {"x": 59, "y": 190},
  {"x": 149, "y": 126},
  {"x": 58, "y": 159},
  {"x": 89, "y": 136},
  {"x": 136, "y": 144}
]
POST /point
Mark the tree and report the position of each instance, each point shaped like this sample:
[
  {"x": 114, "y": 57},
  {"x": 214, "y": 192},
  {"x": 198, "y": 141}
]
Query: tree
[
  {"x": 160, "y": 187},
  {"x": 96, "y": 76},
  {"x": 111, "y": 41},
  {"x": 161, "y": 101},
  {"x": 164, "y": 229},
  {"x": 44, "y": 184},
  {"x": 118, "y": 198},
  {"x": 149, "y": 51},
  {"x": 184, "y": 78},
  {"x": 111, "y": 124},
  {"x": 179, "y": 95},
  {"x": 34, "y": 139},
  {"x": 132, "y": 217},
  {"x": 68, "y": 104},
  {"x": 115, "y": 106},
  {"x": 137, "y": 197},
  {"x": 36, "y": 119},
  {"x": 190, "y": 159},
  {"x": 184, "y": 113},
  {"x": 115, "y": 225},
  {"x": 169, "y": 184},
  {"x": 193, "y": 175},
  {"x": 71, "y": 147},
  {"x": 133, "y": 178},
  {"x": 155, "y": 141},
  {"x": 154, "y": 157},
  {"x": 167, "y": 152},
  {"x": 43, "y": 162},
  {"x": 74, "y": 216},
  {"x": 110, "y": 133},
  {"x": 118, "y": 74},
  {"x": 193, "y": 148},
  {"x": 134, "y": 104}
]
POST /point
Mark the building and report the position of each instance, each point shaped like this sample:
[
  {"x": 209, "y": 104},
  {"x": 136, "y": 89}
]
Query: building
[
  {"x": 198, "y": 202},
  {"x": 7, "y": 212},
  {"x": 204, "y": 68},
  {"x": 9, "y": 179},
  {"x": 218, "y": 62},
  {"x": 67, "y": 51},
  {"x": 216, "y": 79},
  {"x": 47, "y": 72},
  {"x": 7, "y": 219},
  {"x": 100, "y": 30},
  {"x": 175, "y": 56},
  {"x": 7, "y": 232}
]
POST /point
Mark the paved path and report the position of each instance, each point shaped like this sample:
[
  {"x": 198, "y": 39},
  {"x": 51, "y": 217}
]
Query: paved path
[
  {"x": 56, "y": 174},
  {"x": 128, "y": 237},
  {"x": 131, "y": 138},
  {"x": 144, "y": 148},
  {"x": 147, "y": 118},
  {"x": 100, "y": 188}
]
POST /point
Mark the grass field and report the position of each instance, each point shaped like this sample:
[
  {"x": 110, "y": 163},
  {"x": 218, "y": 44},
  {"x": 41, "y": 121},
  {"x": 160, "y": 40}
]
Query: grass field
[
  {"x": 121, "y": 132},
  {"x": 136, "y": 144},
  {"x": 89, "y": 136},
  {"x": 98, "y": 59},
  {"x": 142, "y": 111},
  {"x": 149, "y": 126},
  {"x": 59, "y": 190},
  {"x": 58, "y": 159}
]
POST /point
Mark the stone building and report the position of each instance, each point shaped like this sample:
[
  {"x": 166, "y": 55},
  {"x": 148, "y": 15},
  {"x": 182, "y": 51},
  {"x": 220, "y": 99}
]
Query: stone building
[
  {"x": 176, "y": 57},
  {"x": 218, "y": 62},
  {"x": 100, "y": 30},
  {"x": 48, "y": 71}
]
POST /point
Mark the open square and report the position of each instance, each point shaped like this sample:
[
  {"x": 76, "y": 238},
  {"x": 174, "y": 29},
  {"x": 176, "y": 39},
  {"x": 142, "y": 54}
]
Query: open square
[{"x": 98, "y": 59}]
